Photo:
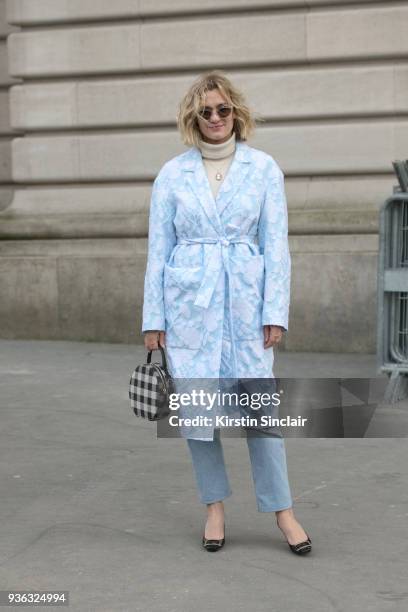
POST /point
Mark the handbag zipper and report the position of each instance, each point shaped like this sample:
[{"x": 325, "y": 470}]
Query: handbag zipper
[{"x": 162, "y": 378}]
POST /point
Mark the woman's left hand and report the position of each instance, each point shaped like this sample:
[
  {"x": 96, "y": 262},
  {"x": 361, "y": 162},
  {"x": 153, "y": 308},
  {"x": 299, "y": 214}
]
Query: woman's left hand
[{"x": 272, "y": 335}]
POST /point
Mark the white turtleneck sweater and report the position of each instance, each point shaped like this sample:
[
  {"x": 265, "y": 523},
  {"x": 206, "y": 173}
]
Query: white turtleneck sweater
[{"x": 217, "y": 158}]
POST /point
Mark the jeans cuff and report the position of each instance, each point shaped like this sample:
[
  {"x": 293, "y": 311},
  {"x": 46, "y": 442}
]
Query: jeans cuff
[
  {"x": 275, "y": 508},
  {"x": 216, "y": 499}
]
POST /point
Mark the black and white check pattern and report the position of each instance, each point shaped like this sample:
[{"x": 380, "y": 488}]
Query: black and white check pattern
[{"x": 147, "y": 393}]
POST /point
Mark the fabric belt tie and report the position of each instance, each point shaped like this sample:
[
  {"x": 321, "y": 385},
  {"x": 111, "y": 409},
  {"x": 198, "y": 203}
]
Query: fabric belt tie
[{"x": 213, "y": 268}]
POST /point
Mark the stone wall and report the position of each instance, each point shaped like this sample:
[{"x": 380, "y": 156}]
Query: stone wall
[
  {"x": 6, "y": 132},
  {"x": 95, "y": 106}
]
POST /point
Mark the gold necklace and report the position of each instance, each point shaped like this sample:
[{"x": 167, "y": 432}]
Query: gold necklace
[{"x": 218, "y": 175}]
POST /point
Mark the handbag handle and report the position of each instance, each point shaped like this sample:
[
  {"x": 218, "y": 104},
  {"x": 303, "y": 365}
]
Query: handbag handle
[{"x": 164, "y": 362}]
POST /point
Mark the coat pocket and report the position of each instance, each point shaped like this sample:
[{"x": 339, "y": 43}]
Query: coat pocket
[
  {"x": 184, "y": 320},
  {"x": 247, "y": 288}
]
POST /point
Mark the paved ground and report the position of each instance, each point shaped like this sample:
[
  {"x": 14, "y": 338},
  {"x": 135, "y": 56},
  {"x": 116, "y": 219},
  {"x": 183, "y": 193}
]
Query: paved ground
[{"x": 93, "y": 503}]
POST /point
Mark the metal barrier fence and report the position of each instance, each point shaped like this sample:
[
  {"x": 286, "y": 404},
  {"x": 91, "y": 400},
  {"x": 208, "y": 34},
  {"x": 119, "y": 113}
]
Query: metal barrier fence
[{"x": 392, "y": 320}]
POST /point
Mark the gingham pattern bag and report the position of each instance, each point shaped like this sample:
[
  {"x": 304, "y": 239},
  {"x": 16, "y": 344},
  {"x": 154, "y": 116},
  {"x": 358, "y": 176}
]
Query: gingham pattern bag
[{"x": 149, "y": 389}]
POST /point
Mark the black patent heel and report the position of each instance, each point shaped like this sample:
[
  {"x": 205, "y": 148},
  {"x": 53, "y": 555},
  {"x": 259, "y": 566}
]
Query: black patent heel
[
  {"x": 212, "y": 545},
  {"x": 303, "y": 547}
]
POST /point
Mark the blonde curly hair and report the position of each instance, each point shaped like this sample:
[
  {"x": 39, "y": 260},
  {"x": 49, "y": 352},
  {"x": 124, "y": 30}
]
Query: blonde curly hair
[{"x": 187, "y": 115}]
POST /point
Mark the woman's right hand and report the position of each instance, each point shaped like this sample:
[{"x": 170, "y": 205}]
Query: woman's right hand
[{"x": 153, "y": 338}]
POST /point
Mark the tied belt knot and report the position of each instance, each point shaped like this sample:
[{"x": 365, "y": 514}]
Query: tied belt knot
[{"x": 216, "y": 262}]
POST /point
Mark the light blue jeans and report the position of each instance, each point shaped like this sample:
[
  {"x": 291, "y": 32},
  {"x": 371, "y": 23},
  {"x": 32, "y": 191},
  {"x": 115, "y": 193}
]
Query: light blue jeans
[{"x": 269, "y": 471}]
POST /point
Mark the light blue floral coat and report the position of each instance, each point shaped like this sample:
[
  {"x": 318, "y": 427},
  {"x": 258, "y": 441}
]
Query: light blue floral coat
[{"x": 196, "y": 244}]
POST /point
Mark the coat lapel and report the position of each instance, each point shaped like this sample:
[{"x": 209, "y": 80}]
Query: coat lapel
[
  {"x": 196, "y": 177},
  {"x": 236, "y": 175}
]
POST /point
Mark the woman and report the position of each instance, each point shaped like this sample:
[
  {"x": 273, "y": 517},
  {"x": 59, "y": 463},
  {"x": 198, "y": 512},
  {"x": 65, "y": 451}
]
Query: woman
[{"x": 217, "y": 284}]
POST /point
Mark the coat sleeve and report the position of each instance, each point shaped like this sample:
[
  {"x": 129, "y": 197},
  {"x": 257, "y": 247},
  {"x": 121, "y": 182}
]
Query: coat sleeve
[
  {"x": 273, "y": 243},
  {"x": 161, "y": 241}
]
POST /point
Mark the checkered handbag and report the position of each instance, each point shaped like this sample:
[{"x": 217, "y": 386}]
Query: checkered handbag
[{"x": 149, "y": 389}]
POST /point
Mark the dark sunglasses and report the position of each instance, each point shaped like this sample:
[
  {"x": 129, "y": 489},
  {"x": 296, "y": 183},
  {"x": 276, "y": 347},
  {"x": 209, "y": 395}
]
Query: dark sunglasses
[{"x": 222, "y": 111}]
